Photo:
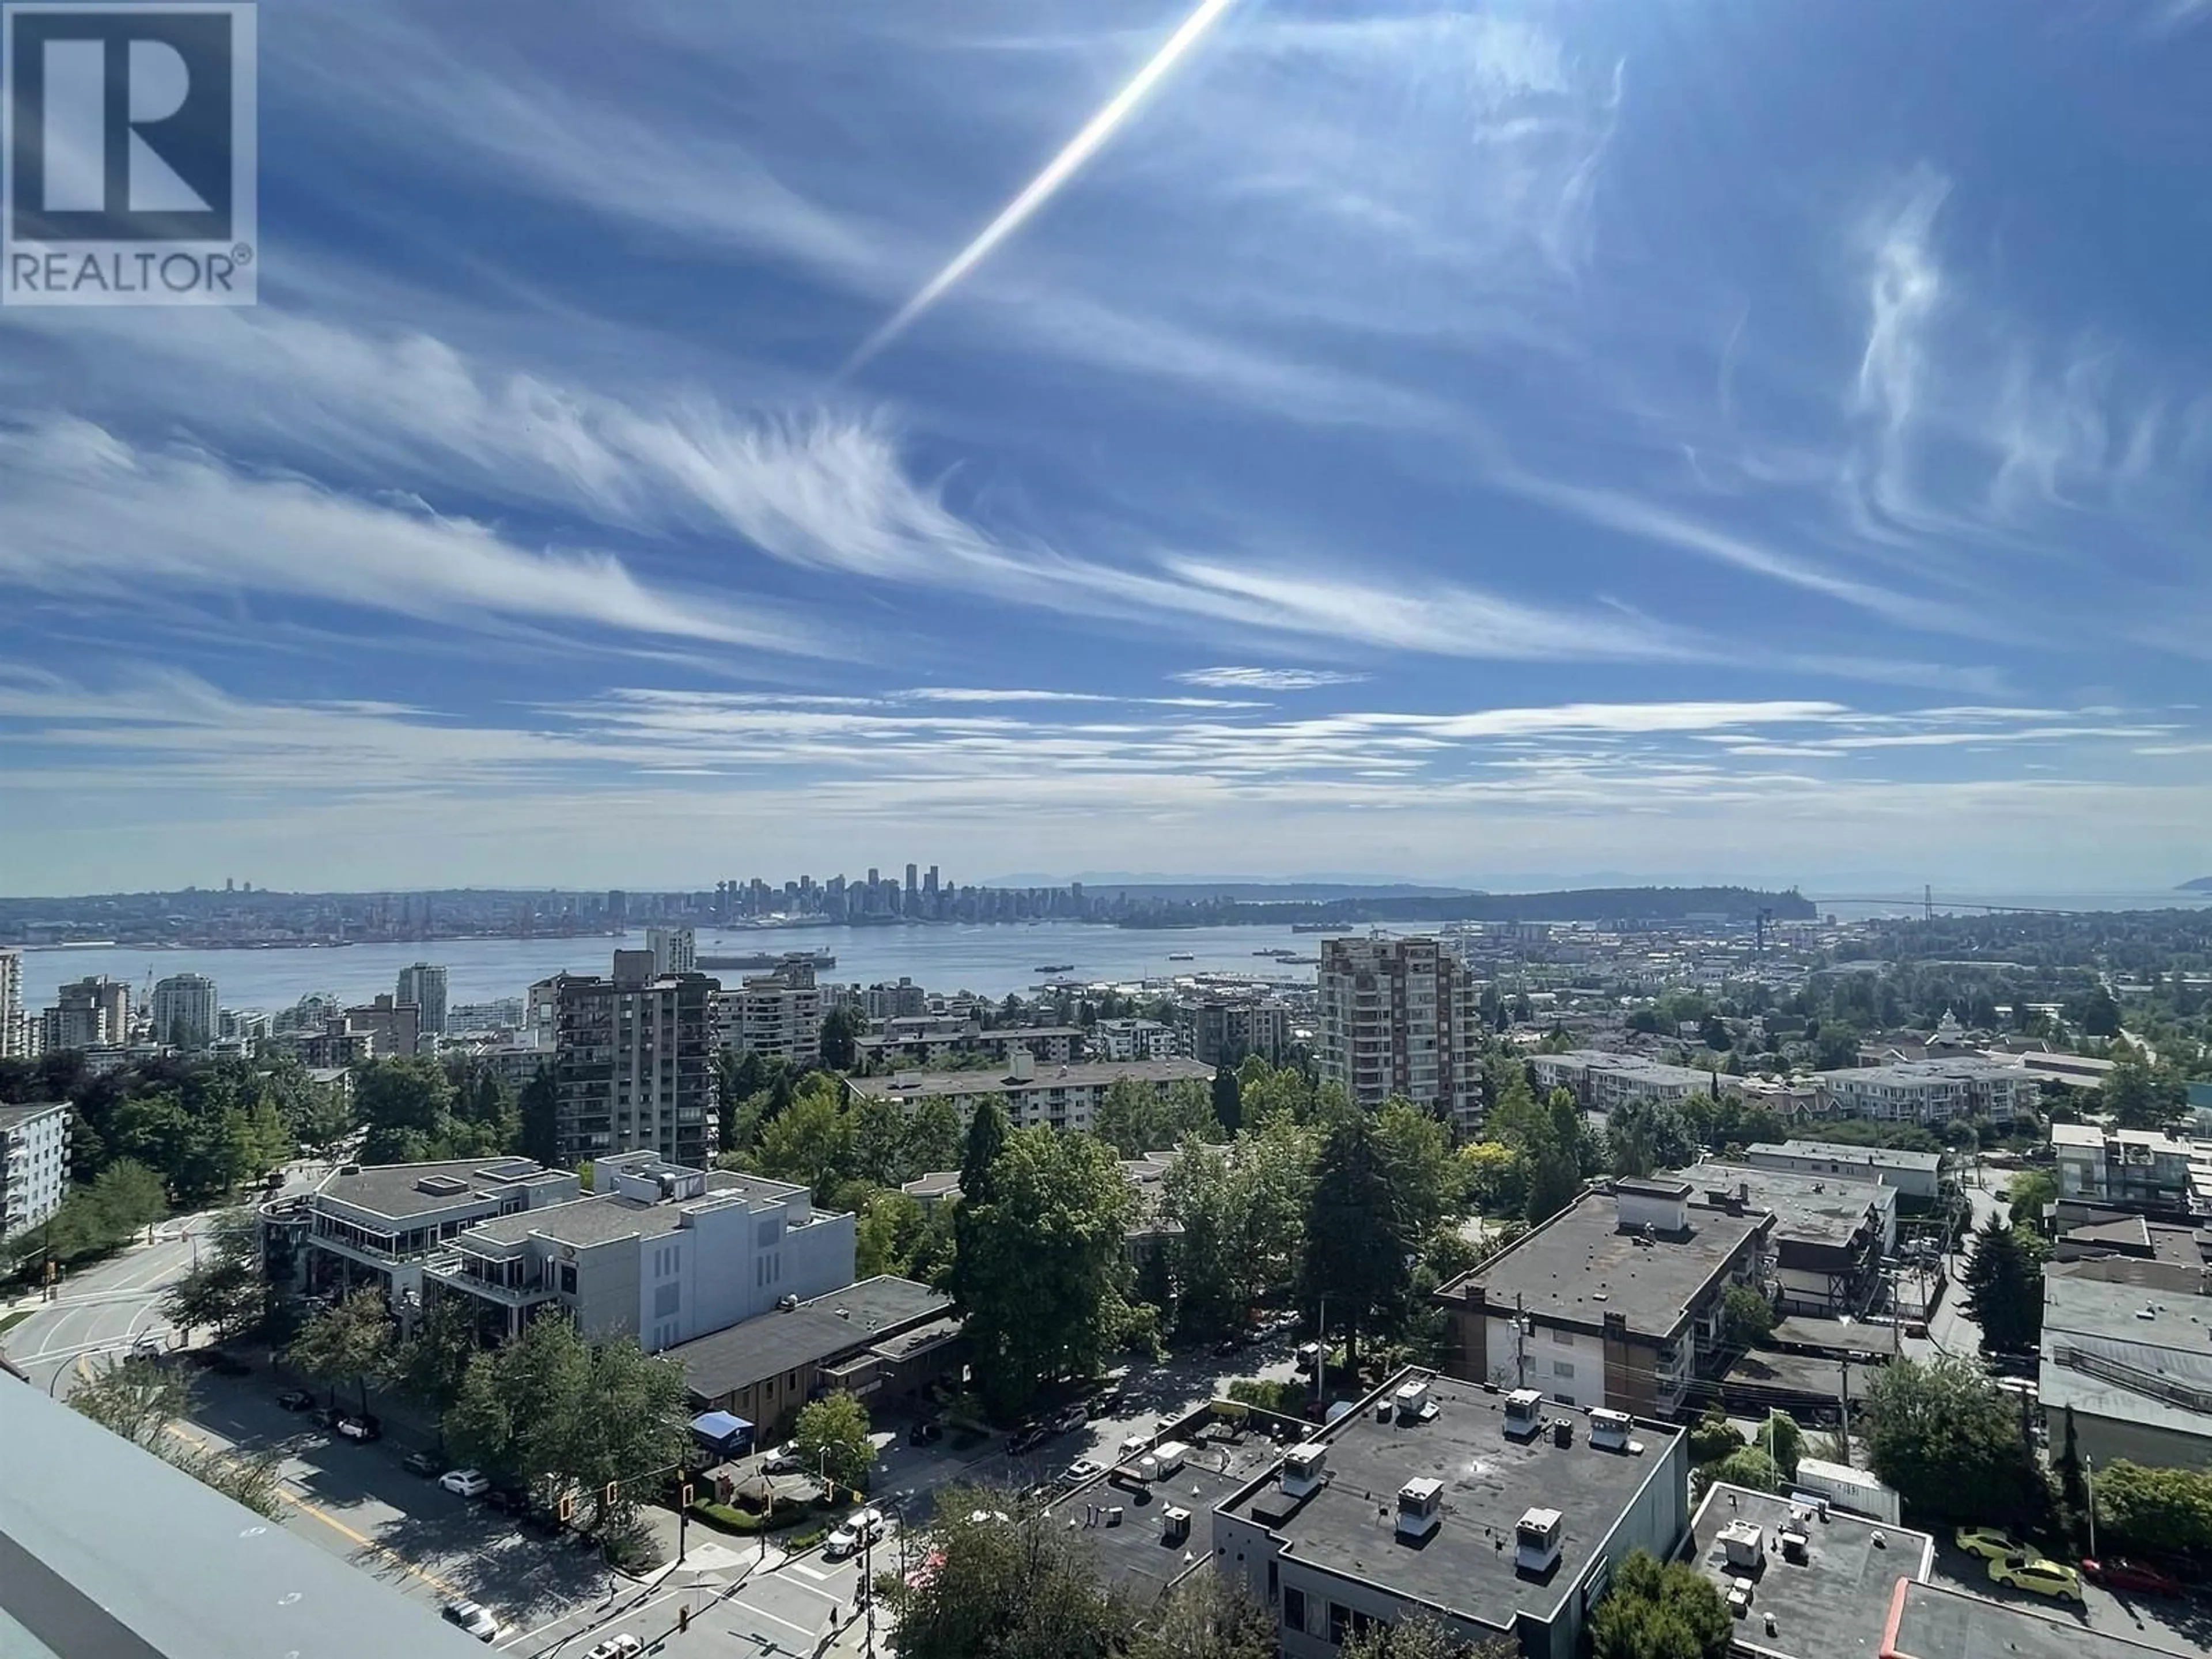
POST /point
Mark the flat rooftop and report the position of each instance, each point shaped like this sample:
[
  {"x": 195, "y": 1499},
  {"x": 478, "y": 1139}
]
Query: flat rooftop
[
  {"x": 400, "y": 1191},
  {"x": 1928, "y": 1621},
  {"x": 2101, "y": 1334},
  {"x": 13, "y": 1117},
  {"x": 1807, "y": 1208},
  {"x": 1581, "y": 1265},
  {"x": 1136, "y": 1553},
  {"x": 857, "y": 1317},
  {"x": 1077, "y": 1074},
  {"x": 1491, "y": 1481},
  {"x": 1842, "y": 1151},
  {"x": 1833, "y": 1605}
]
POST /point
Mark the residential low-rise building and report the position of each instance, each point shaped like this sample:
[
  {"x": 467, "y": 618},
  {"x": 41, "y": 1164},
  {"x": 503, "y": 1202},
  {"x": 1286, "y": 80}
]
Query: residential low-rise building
[
  {"x": 2126, "y": 1169},
  {"x": 1495, "y": 1514},
  {"x": 394, "y": 1029},
  {"x": 1603, "y": 1082},
  {"x": 35, "y": 1174},
  {"x": 1130, "y": 1039},
  {"x": 1615, "y": 1302},
  {"x": 928, "y": 1040},
  {"x": 777, "y": 1015},
  {"x": 1915, "y": 1175},
  {"x": 1224, "y": 1029},
  {"x": 1064, "y": 1097},
  {"x": 1933, "y": 1091},
  {"x": 657, "y": 1251},
  {"x": 1829, "y": 1238}
]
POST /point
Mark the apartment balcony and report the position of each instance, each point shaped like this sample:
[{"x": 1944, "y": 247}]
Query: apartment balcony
[{"x": 482, "y": 1276}]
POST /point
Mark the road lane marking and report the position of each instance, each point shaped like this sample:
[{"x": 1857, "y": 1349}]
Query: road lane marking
[{"x": 339, "y": 1526}]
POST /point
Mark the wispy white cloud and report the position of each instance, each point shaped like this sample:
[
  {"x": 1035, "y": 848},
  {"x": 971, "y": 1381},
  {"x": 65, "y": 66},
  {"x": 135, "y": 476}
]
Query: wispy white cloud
[{"x": 1268, "y": 679}]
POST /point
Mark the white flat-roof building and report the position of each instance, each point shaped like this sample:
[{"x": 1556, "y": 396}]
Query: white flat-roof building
[
  {"x": 1602, "y": 1081},
  {"x": 1933, "y": 1091},
  {"x": 1915, "y": 1175},
  {"x": 1064, "y": 1097},
  {"x": 34, "y": 1164}
]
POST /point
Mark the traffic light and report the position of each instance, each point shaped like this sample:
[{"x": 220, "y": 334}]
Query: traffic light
[
  {"x": 612, "y": 1494},
  {"x": 684, "y": 1496},
  {"x": 567, "y": 1508}
]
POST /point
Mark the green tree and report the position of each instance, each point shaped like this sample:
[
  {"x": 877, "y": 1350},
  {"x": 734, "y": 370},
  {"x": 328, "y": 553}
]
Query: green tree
[
  {"x": 1040, "y": 1268},
  {"x": 831, "y": 1437},
  {"x": 1713, "y": 1438},
  {"x": 932, "y": 1138},
  {"x": 2155, "y": 1509},
  {"x": 1026, "y": 1588},
  {"x": 539, "y": 1112},
  {"x": 2025, "y": 1196},
  {"x": 2138, "y": 1096},
  {"x": 1202, "y": 1194},
  {"x": 839, "y": 1028},
  {"x": 2073, "y": 1480},
  {"x": 901, "y": 1236},
  {"x": 349, "y": 1342},
  {"x": 1228, "y": 1099},
  {"x": 1781, "y": 1439},
  {"x": 225, "y": 1290},
  {"x": 1430, "y": 1187},
  {"x": 1749, "y": 1468},
  {"x": 1655, "y": 1611},
  {"x": 1358, "y": 1236},
  {"x": 2004, "y": 1289},
  {"x": 323, "y": 1121},
  {"x": 1747, "y": 1316},
  {"x": 986, "y": 1138},
  {"x": 431, "y": 1362},
  {"x": 141, "y": 1402},
  {"x": 1942, "y": 1433},
  {"x": 404, "y": 1104},
  {"x": 876, "y": 1138},
  {"x": 1646, "y": 1136},
  {"x": 809, "y": 1141},
  {"x": 1208, "y": 1615}
]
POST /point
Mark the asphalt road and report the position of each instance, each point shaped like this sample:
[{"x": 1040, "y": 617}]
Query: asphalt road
[{"x": 104, "y": 1307}]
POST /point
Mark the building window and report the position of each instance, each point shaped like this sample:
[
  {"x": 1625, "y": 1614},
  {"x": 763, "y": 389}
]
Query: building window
[
  {"x": 1294, "y": 1608},
  {"x": 1339, "y": 1623},
  {"x": 1561, "y": 1368}
]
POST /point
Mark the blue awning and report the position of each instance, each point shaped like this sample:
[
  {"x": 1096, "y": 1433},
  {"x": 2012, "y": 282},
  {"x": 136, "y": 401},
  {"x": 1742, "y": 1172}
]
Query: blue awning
[{"x": 720, "y": 1425}]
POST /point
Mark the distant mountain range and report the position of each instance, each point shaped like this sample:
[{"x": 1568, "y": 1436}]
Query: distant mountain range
[
  {"x": 2202, "y": 885},
  {"x": 1605, "y": 905}
]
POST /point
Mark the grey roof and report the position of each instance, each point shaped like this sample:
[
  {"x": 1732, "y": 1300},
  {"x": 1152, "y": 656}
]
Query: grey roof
[
  {"x": 1840, "y": 1151},
  {"x": 1135, "y": 1553},
  {"x": 746, "y": 1353},
  {"x": 13, "y": 1117},
  {"x": 1935, "y": 1622},
  {"x": 1580, "y": 1265},
  {"x": 394, "y": 1190},
  {"x": 2096, "y": 1341},
  {"x": 1490, "y": 1482},
  {"x": 1817, "y": 1209},
  {"x": 177, "y": 1572},
  {"x": 599, "y": 1220},
  {"x": 1833, "y": 1605},
  {"x": 1075, "y": 1075}
]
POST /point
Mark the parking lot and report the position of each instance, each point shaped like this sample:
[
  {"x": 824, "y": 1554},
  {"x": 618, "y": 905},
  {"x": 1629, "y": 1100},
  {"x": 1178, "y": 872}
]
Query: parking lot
[{"x": 2175, "y": 1625}]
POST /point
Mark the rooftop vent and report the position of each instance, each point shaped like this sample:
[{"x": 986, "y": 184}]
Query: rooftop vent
[
  {"x": 1563, "y": 1432},
  {"x": 1797, "y": 1544},
  {"x": 1609, "y": 1429},
  {"x": 1537, "y": 1537},
  {"x": 1420, "y": 1507},
  {"x": 1523, "y": 1409},
  {"x": 442, "y": 1185},
  {"x": 1413, "y": 1399},
  {"x": 1303, "y": 1468},
  {"x": 1744, "y": 1545}
]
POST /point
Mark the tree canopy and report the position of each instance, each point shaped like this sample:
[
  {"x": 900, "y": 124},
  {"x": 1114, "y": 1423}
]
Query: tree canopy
[
  {"x": 1660, "y": 1612},
  {"x": 1948, "y": 1438},
  {"x": 2003, "y": 1282},
  {"x": 831, "y": 1437}
]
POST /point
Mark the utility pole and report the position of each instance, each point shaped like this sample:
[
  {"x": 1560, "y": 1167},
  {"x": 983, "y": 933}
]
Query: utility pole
[
  {"x": 1520, "y": 1344},
  {"x": 1320, "y": 1362},
  {"x": 2089, "y": 1485},
  {"x": 1844, "y": 1406}
]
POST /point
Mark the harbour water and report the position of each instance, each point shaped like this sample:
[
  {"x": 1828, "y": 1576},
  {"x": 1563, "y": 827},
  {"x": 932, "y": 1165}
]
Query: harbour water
[{"x": 990, "y": 960}]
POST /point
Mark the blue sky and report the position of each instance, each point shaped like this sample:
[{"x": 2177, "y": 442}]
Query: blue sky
[{"x": 1464, "y": 442}]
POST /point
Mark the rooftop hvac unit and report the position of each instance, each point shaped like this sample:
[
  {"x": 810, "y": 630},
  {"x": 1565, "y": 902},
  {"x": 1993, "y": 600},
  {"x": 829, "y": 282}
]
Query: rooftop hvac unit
[
  {"x": 1523, "y": 1408},
  {"x": 1411, "y": 1397},
  {"x": 1420, "y": 1507},
  {"x": 1609, "y": 1429},
  {"x": 1303, "y": 1468},
  {"x": 1744, "y": 1544},
  {"x": 1537, "y": 1537},
  {"x": 1175, "y": 1525}
]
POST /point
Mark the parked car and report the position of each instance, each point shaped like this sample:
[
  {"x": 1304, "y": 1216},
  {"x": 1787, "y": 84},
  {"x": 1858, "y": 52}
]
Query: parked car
[
  {"x": 1991, "y": 1543},
  {"x": 1069, "y": 1420},
  {"x": 1028, "y": 1440},
  {"x": 925, "y": 1433},
  {"x": 420, "y": 1462},
  {"x": 860, "y": 1527},
  {"x": 472, "y": 1617},
  {"x": 2039, "y": 1577},
  {"x": 361, "y": 1428},
  {"x": 296, "y": 1399},
  {"x": 465, "y": 1483},
  {"x": 1080, "y": 1470},
  {"x": 2118, "y": 1572},
  {"x": 1308, "y": 1355},
  {"x": 623, "y": 1646},
  {"x": 785, "y": 1463}
]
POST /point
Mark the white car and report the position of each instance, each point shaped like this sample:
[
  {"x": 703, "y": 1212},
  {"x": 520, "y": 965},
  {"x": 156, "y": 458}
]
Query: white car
[
  {"x": 1081, "y": 1470},
  {"x": 468, "y": 1483},
  {"x": 471, "y": 1619},
  {"x": 624, "y": 1646},
  {"x": 860, "y": 1527}
]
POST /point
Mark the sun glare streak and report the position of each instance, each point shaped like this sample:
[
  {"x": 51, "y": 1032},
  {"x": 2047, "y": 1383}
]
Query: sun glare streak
[{"x": 1042, "y": 189}]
